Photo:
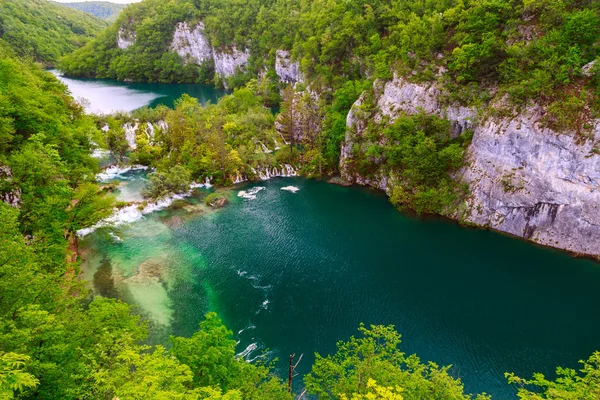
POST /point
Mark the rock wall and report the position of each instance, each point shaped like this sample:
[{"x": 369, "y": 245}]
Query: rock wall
[
  {"x": 228, "y": 62},
  {"x": 287, "y": 70},
  {"x": 191, "y": 44},
  {"x": 524, "y": 179},
  {"x": 125, "y": 38},
  {"x": 12, "y": 197},
  {"x": 535, "y": 183}
]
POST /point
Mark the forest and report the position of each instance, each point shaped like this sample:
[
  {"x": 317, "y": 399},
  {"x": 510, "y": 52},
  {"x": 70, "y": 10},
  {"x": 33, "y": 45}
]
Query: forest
[
  {"x": 58, "y": 341},
  {"x": 102, "y": 9},
  {"x": 496, "y": 56},
  {"x": 45, "y": 31}
]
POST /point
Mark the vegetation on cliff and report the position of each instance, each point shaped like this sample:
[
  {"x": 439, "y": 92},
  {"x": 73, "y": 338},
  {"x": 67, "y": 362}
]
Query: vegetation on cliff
[
  {"x": 56, "y": 343},
  {"x": 45, "y": 31},
  {"x": 101, "y": 9}
]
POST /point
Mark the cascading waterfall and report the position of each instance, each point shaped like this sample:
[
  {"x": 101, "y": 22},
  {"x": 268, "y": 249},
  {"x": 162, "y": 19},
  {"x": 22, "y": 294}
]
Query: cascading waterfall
[
  {"x": 239, "y": 178},
  {"x": 163, "y": 126},
  {"x": 285, "y": 142},
  {"x": 276, "y": 144},
  {"x": 130, "y": 134},
  {"x": 150, "y": 132},
  {"x": 265, "y": 149},
  {"x": 285, "y": 170}
]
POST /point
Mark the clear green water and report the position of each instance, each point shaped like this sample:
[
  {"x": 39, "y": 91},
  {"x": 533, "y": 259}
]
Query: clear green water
[
  {"x": 107, "y": 96},
  {"x": 295, "y": 272}
]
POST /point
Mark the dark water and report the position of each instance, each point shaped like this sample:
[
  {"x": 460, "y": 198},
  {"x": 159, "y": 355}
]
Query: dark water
[
  {"x": 107, "y": 96},
  {"x": 296, "y": 272}
]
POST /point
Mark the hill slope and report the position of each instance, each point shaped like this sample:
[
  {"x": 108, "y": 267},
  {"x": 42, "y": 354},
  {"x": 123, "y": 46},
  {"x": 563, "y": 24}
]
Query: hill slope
[
  {"x": 518, "y": 77},
  {"x": 45, "y": 31},
  {"x": 101, "y": 9}
]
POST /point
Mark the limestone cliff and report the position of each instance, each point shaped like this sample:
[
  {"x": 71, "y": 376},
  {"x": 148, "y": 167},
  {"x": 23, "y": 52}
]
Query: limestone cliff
[
  {"x": 524, "y": 179},
  {"x": 287, "y": 70},
  {"x": 125, "y": 38},
  {"x": 191, "y": 44}
]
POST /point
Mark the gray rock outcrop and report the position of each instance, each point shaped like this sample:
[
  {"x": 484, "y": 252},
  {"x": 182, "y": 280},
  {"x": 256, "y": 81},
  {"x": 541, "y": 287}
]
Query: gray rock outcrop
[
  {"x": 13, "y": 196},
  {"x": 191, "y": 44},
  {"x": 524, "y": 179},
  {"x": 125, "y": 38},
  {"x": 227, "y": 63},
  {"x": 287, "y": 70}
]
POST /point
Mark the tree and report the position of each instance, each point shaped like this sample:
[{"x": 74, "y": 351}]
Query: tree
[
  {"x": 375, "y": 356},
  {"x": 287, "y": 118},
  {"x": 162, "y": 183},
  {"x": 13, "y": 378},
  {"x": 569, "y": 384}
]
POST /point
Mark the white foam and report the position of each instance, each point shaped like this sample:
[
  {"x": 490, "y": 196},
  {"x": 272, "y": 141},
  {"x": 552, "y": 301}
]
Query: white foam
[
  {"x": 250, "y": 326},
  {"x": 284, "y": 170},
  {"x": 250, "y": 194},
  {"x": 246, "y": 352},
  {"x": 292, "y": 189},
  {"x": 132, "y": 213},
  {"x": 114, "y": 171}
]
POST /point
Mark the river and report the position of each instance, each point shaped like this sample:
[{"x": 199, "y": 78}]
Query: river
[{"x": 296, "y": 272}]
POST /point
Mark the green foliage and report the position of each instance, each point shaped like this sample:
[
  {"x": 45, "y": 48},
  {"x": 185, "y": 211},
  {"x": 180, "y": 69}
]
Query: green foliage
[
  {"x": 12, "y": 376},
  {"x": 528, "y": 49},
  {"x": 210, "y": 353},
  {"x": 569, "y": 384},
  {"x": 375, "y": 356},
  {"x": 162, "y": 183},
  {"x": 420, "y": 156},
  {"x": 45, "y": 31},
  {"x": 221, "y": 142},
  {"x": 101, "y": 9}
]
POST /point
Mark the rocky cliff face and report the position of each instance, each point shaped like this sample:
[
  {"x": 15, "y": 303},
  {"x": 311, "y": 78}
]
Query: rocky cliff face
[
  {"x": 125, "y": 38},
  {"x": 524, "y": 179},
  {"x": 228, "y": 62},
  {"x": 11, "y": 197},
  {"x": 287, "y": 70},
  {"x": 191, "y": 44}
]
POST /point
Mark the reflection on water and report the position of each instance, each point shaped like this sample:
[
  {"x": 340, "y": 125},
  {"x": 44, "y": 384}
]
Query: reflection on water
[{"x": 105, "y": 96}]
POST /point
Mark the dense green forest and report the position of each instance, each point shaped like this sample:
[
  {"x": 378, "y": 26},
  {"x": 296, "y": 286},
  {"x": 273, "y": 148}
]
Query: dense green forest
[
  {"x": 514, "y": 51},
  {"x": 45, "y": 31},
  {"x": 101, "y": 9},
  {"x": 57, "y": 341}
]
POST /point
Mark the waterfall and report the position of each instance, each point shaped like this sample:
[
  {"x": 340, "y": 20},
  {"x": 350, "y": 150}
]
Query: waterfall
[
  {"x": 130, "y": 134},
  {"x": 164, "y": 127},
  {"x": 239, "y": 179},
  {"x": 265, "y": 173},
  {"x": 282, "y": 138},
  {"x": 150, "y": 132},
  {"x": 265, "y": 149}
]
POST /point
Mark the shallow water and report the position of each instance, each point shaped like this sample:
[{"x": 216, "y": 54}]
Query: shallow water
[
  {"x": 296, "y": 271},
  {"x": 105, "y": 96}
]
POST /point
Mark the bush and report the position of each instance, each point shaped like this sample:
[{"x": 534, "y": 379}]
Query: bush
[{"x": 162, "y": 183}]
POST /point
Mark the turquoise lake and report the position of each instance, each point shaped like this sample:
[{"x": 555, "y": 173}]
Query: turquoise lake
[
  {"x": 296, "y": 272},
  {"x": 105, "y": 96}
]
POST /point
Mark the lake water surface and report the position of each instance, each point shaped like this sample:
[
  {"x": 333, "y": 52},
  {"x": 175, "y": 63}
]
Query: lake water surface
[
  {"x": 296, "y": 272},
  {"x": 105, "y": 96}
]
